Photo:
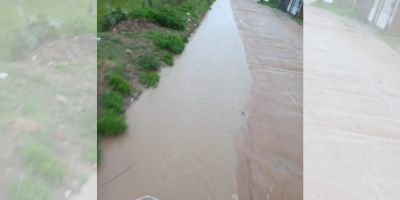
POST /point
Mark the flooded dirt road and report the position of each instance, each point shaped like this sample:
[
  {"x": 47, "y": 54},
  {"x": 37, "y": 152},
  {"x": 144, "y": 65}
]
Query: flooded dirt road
[
  {"x": 271, "y": 158},
  {"x": 351, "y": 111},
  {"x": 180, "y": 142}
]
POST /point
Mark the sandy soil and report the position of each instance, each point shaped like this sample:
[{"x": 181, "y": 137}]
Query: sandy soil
[{"x": 351, "y": 111}]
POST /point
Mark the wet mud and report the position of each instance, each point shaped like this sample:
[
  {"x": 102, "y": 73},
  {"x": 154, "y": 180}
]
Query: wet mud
[{"x": 271, "y": 151}]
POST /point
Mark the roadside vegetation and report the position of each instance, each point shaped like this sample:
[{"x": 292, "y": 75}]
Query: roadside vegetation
[
  {"x": 275, "y": 6},
  {"x": 135, "y": 40}
]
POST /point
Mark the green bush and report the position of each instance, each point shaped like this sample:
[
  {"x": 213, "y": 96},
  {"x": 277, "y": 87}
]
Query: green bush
[
  {"x": 146, "y": 13},
  {"x": 149, "y": 62},
  {"x": 174, "y": 44},
  {"x": 149, "y": 79},
  {"x": 44, "y": 163},
  {"x": 168, "y": 59},
  {"x": 110, "y": 123},
  {"x": 119, "y": 84},
  {"x": 171, "y": 18},
  {"x": 113, "y": 101},
  {"x": 111, "y": 18}
]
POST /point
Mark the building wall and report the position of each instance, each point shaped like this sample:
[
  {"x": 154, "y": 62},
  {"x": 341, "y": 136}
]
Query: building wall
[{"x": 394, "y": 27}]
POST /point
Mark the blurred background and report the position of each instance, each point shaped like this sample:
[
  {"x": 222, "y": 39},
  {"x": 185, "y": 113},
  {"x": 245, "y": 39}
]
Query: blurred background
[
  {"x": 48, "y": 99},
  {"x": 351, "y": 99}
]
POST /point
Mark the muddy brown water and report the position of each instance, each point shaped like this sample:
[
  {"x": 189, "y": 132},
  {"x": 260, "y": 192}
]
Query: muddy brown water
[
  {"x": 180, "y": 142},
  {"x": 224, "y": 123}
]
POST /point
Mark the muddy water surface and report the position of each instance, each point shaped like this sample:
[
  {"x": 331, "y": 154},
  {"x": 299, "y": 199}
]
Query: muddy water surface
[{"x": 180, "y": 142}]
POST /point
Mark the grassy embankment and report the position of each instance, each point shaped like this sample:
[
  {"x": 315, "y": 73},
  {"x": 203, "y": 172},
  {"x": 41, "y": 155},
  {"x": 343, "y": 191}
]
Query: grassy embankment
[
  {"x": 136, "y": 38},
  {"x": 275, "y": 5},
  {"x": 348, "y": 12}
]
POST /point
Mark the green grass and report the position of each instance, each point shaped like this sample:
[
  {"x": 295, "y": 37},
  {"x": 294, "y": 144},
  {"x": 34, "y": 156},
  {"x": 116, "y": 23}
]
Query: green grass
[
  {"x": 110, "y": 123},
  {"x": 173, "y": 43},
  {"x": 119, "y": 84},
  {"x": 168, "y": 59},
  {"x": 149, "y": 79},
  {"x": 149, "y": 61},
  {"x": 172, "y": 18},
  {"x": 271, "y": 3},
  {"x": 298, "y": 20},
  {"x": 29, "y": 189},
  {"x": 275, "y": 5},
  {"x": 113, "y": 101},
  {"x": 44, "y": 163}
]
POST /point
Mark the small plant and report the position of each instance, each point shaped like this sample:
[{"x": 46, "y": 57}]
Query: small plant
[
  {"x": 149, "y": 79},
  {"x": 44, "y": 163},
  {"x": 111, "y": 18},
  {"x": 113, "y": 101},
  {"x": 149, "y": 62},
  {"x": 119, "y": 84},
  {"x": 171, "y": 18},
  {"x": 146, "y": 13},
  {"x": 168, "y": 59},
  {"x": 111, "y": 124},
  {"x": 29, "y": 189},
  {"x": 172, "y": 43}
]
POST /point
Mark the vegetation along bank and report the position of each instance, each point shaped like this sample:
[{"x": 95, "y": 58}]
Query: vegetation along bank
[{"x": 135, "y": 39}]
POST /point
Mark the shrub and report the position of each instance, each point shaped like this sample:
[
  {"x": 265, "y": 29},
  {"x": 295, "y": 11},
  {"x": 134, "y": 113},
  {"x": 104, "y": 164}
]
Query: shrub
[
  {"x": 172, "y": 43},
  {"x": 146, "y": 13},
  {"x": 44, "y": 163},
  {"x": 113, "y": 101},
  {"x": 110, "y": 123},
  {"x": 168, "y": 59},
  {"x": 111, "y": 18},
  {"x": 149, "y": 62},
  {"x": 119, "y": 84},
  {"x": 171, "y": 18},
  {"x": 149, "y": 79}
]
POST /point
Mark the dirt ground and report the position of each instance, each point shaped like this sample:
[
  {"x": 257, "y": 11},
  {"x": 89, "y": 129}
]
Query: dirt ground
[
  {"x": 271, "y": 153},
  {"x": 351, "y": 111}
]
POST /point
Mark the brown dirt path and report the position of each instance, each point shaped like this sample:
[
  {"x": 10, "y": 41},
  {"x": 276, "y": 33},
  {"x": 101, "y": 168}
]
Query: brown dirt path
[{"x": 271, "y": 153}]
